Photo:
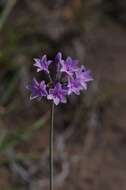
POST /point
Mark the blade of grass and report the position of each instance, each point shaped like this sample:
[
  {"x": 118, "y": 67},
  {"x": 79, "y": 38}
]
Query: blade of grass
[{"x": 9, "y": 6}]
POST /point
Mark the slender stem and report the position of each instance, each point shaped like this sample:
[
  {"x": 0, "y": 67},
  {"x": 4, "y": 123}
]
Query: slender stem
[{"x": 51, "y": 147}]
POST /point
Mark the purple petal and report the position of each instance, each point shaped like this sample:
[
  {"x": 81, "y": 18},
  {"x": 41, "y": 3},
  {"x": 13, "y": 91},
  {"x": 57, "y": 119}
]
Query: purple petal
[
  {"x": 58, "y": 57},
  {"x": 42, "y": 64},
  {"x": 56, "y": 101},
  {"x": 50, "y": 97}
]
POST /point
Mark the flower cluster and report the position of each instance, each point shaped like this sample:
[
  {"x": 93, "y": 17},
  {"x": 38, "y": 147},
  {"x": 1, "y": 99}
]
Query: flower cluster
[{"x": 63, "y": 78}]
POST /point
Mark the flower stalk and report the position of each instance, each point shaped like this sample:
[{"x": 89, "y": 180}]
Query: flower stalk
[
  {"x": 51, "y": 181},
  {"x": 60, "y": 79}
]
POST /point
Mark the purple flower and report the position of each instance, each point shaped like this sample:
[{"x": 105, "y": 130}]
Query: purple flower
[
  {"x": 74, "y": 86},
  {"x": 38, "y": 90},
  {"x": 83, "y": 76},
  {"x": 62, "y": 78},
  {"x": 69, "y": 66},
  {"x": 58, "y": 61},
  {"x": 42, "y": 64},
  {"x": 57, "y": 94},
  {"x": 58, "y": 58}
]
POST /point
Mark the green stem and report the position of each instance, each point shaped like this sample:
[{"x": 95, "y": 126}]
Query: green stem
[{"x": 51, "y": 147}]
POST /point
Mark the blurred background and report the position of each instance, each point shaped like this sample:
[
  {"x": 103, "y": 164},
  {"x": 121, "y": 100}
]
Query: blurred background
[{"x": 90, "y": 130}]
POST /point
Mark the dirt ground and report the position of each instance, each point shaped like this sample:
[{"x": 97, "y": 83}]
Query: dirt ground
[{"x": 90, "y": 131}]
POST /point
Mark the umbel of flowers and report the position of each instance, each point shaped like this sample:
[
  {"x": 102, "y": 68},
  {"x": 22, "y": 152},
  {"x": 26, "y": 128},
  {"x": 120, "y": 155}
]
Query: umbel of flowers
[{"x": 62, "y": 77}]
